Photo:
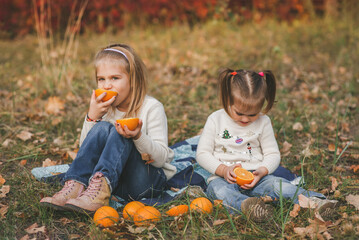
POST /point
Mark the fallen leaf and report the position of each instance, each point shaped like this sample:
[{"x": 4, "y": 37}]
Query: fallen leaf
[
  {"x": 331, "y": 147},
  {"x": 219, "y": 222},
  {"x": 218, "y": 203},
  {"x": 3, "y": 210},
  {"x": 173, "y": 189},
  {"x": 305, "y": 202},
  {"x": 26, "y": 237},
  {"x": 59, "y": 141},
  {"x": 72, "y": 154},
  {"x": 334, "y": 183},
  {"x": 23, "y": 162},
  {"x": 297, "y": 126},
  {"x": 337, "y": 194},
  {"x": 345, "y": 127},
  {"x": 295, "y": 211},
  {"x": 355, "y": 168},
  {"x": 48, "y": 163},
  {"x": 54, "y": 105},
  {"x": 24, "y": 135},
  {"x": 353, "y": 200},
  {"x": 2, "y": 180},
  {"x": 286, "y": 148},
  {"x": 35, "y": 229},
  {"x": 5, "y": 189},
  {"x": 8, "y": 142},
  {"x": 331, "y": 126},
  {"x": 267, "y": 199}
]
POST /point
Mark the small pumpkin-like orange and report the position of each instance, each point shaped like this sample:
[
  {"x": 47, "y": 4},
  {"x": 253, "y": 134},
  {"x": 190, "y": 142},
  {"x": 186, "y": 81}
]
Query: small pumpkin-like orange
[
  {"x": 177, "y": 210},
  {"x": 146, "y": 215},
  {"x": 131, "y": 208},
  {"x": 201, "y": 204},
  {"x": 243, "y": 176},
  {"x": 109, "y": 94},
  {"x": 106, "y": 216},
  {"x": 131, "y": 123}
]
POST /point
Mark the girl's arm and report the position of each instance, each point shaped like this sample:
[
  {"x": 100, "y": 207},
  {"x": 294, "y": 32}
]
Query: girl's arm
[
  {"x": 205, "y": 148},
  {"x": 155, "y": 141},
  {"x": 270, "y": 150}
]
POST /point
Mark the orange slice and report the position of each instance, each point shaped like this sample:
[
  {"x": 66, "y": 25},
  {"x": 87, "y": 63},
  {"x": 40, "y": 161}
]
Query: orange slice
[
  {"x": 243, "y": 176},
  {"x": 131, "y": 123},
  {"x": 177, "y": 210},
  {"x": 108, "y": 96}
]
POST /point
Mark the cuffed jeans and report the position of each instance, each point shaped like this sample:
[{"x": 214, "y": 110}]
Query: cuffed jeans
[
  {"x": 233, "y": 195},
  {"x": 105, "y": 150}
]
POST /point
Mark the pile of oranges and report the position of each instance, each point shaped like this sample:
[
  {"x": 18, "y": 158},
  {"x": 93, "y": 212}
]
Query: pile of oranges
[{"x": 144, "y": 215}]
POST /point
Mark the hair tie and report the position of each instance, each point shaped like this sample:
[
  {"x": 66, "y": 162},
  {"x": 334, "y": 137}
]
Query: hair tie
[
  {"x": 261, "y": 73},
  {"x": 234, "y": 73},
  {"x": 115, "y": 50}
]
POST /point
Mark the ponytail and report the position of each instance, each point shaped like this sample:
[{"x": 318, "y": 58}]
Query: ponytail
[
  {"x": 271, "y": 89},
  {"x": 225, "y": 90}
]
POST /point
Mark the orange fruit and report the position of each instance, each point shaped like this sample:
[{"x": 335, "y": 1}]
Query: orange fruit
[
  {"x": 177, "y": 210},
  {"x": 146, "y": 215},
  {"x": 131, "y": 208},
  {"x": 131, "y": 123},
  {"x": 106, "y": 216},
  {"x": 201, "y": 204},
  {"x": 243, "y": 176},
  {"x": 108, "y": 96}
]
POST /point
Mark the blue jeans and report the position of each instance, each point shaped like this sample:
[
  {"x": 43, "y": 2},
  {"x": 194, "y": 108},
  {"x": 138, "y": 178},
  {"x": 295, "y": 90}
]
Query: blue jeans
[
  {"x": 233, "y": 195},
  {"x": 105, "y": 150}
]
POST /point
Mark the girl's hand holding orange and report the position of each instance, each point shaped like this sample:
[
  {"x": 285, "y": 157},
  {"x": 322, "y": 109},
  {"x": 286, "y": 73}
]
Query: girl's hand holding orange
[
  {"x": 258, "y": 174},
  {"x": 98, "y": 108},
  {"x": 228, "y": 173},
  {"x": 127, "y": 133}
]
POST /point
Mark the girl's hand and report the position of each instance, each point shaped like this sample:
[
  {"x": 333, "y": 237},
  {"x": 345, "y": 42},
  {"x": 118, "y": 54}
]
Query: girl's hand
[
  {"x": 97, "y": 107},
  {"x": 127, "y": 133},
  {"x": 228, "y": 173},
  {"x": 258, "y": 174}
]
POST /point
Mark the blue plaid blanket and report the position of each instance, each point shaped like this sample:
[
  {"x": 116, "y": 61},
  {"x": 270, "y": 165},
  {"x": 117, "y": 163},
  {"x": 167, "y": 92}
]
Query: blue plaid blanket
[{"x": 189, "y": 173}]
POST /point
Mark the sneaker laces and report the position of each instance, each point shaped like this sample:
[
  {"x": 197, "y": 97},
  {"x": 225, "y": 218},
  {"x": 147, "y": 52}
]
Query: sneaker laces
[
  {"x": 94, "y": 187},
  {"x": 67, "y": 188}
]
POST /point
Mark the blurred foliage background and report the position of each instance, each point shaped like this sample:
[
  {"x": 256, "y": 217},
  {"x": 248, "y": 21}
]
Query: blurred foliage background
[{"x": 17, "y": 16}]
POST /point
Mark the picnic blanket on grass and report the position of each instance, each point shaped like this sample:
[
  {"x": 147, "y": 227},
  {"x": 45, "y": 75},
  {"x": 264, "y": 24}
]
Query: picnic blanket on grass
[{"x": 189, "y": 173}]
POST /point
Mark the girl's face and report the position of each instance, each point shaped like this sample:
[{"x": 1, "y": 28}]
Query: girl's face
[
  {"x": 242, "y": 116},
  {"x": 114, "y": 77}
]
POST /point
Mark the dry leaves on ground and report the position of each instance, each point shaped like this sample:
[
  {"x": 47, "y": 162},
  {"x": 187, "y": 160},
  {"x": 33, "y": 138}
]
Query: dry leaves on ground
[
  {"x": 25, "y": 135},
  {"x": 54, "y": 105},
  {"x": 295, "y": 211},
  {"x": 48, "y": 162},
  {"x": 353, "y": 200}
]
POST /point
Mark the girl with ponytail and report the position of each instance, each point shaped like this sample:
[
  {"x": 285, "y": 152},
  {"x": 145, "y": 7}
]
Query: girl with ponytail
[{"x": 241, "y": 136}]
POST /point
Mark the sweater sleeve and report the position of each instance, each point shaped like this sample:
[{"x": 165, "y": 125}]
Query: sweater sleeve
[
  {"x": 85, "y": 129},
  {"x": 270, "y": 150},
  {"x": 155, "y": 141},
  {"x": 205, "y": 148}
]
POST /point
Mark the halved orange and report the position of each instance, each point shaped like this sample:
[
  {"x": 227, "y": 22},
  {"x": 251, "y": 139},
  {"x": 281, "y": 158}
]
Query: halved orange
[
  {"x": 109, "y": 94},
  {"x": 243, "y": 176},
  {"x": 131, "y": 123},
  {"x": 177, "y": 210}
]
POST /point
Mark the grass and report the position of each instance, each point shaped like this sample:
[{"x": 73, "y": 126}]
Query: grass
[{"x": 316, "y": 68}]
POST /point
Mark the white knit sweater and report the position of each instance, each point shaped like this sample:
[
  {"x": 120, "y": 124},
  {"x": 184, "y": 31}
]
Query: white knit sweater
[
  {"x": 223, "y": 141},
  {"x": 154, "y": 137}
]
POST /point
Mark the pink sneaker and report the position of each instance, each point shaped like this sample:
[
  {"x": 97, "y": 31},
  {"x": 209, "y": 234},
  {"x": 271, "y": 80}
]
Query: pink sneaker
[
  {"x": 96, "y": 195},
  {"x": 71, "y": 189}
]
